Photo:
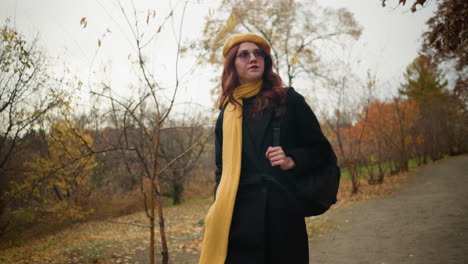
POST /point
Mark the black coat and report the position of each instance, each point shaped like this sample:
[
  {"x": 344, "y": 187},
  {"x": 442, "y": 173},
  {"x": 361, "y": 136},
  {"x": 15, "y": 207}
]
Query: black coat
[{"x": 267, "y": 224}]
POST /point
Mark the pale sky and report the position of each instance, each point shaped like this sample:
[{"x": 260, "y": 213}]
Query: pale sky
[{"x": 390, "y": 40}]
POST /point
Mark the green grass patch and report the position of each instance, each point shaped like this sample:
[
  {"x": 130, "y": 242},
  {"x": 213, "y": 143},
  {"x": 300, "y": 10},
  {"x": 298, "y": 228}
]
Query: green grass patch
[
  {"x": 198, "y": 201},
  {"x": 365, "y": 170}
]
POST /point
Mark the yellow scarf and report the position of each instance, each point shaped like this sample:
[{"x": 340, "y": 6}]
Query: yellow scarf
[{"x": 218, "y": 219}]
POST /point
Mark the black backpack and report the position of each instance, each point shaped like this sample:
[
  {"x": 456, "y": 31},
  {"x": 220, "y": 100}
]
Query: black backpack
[{"x": 317, "y": 190}]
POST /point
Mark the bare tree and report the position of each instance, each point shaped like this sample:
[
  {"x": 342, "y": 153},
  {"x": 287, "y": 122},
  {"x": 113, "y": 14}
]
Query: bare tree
[
  {"x": 142, "y": 122},
  {"x": 294, "y": 30},
  {"x": 349, "y": 108},
  {"x": 181, "y": 136}
]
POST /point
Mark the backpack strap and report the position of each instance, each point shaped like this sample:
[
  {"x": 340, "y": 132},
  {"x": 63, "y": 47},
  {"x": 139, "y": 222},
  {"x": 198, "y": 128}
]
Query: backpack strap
[{"x": 278, "y": 113}]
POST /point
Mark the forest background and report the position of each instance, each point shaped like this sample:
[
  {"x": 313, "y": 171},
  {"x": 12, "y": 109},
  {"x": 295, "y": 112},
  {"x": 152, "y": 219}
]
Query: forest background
[{"x": 111, "y": 137}]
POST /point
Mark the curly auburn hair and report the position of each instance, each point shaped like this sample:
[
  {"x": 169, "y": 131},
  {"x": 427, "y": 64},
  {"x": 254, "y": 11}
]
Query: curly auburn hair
[{"x": 271, "y": 93}]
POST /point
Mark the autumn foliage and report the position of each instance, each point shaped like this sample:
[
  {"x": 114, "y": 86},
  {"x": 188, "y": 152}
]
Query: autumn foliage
[
  {"x": 57, "y": 182},
  {"x": 58, "y": 168},
  {"x": 422, "y": 123}
]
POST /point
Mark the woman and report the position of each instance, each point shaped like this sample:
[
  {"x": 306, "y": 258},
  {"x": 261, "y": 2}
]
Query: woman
[{"x": 256, "y": 217}]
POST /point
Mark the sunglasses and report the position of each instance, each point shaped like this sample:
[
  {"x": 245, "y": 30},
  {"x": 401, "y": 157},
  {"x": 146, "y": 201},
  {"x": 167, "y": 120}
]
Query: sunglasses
[{"x": 245, "y": 54}]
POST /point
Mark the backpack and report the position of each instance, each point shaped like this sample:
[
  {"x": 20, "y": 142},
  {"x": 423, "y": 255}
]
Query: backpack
[{"x": 317, "y": 190}]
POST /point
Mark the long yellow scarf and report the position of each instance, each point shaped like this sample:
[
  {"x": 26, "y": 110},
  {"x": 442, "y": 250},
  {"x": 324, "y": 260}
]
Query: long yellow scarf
[{"x": 218, "y": 219}]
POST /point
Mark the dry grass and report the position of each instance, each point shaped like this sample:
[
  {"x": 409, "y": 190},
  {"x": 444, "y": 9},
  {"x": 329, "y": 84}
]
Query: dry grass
[
  {"x": 115, "y": 242},
  {"x": 375, "y": 191}
]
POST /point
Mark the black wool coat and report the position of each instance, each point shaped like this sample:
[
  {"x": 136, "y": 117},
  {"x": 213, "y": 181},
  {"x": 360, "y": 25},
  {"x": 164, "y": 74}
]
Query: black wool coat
[{"x": 268, "y": 224}]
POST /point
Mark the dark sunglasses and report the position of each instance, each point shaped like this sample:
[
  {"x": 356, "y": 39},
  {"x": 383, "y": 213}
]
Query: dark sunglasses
[{"x": 245, "y": 54}]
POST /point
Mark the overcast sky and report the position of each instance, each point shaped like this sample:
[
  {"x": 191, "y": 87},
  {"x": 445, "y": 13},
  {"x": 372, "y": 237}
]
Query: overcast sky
[{"x": 390, "y": 39}]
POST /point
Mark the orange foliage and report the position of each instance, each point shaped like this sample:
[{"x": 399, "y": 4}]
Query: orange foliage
[{"x": 386, "y": 120}]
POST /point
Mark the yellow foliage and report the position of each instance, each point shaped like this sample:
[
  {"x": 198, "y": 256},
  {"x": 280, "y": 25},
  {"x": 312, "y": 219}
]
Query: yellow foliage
[
  {"x": 83, "y": 22},
  {"x": 293, "y": 60},
  {"x": 231, "y": 22},
  {"x": 58, "y": 178}
]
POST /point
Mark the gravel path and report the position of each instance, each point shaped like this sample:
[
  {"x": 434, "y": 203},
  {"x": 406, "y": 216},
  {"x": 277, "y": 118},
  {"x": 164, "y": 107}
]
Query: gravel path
[{"x": 425, "y": 221}]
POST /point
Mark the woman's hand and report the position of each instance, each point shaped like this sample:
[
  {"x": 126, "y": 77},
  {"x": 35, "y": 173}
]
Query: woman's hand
[{"x": 277, "y": 157}]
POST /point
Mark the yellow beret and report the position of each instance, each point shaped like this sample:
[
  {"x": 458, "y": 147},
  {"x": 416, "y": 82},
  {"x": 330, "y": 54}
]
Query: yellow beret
[{"x": 248, "y": 37}]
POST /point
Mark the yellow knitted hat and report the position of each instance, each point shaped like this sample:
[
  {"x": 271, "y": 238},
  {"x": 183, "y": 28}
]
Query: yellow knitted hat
[{"x": 248, "y": 37}]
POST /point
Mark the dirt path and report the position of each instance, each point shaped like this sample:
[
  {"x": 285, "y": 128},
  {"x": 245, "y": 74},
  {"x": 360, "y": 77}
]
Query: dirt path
[{"x": 425, "y": 221}]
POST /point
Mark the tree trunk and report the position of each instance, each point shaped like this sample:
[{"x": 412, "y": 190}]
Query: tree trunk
[
  {"x": 354, "y": 178},
  {"x": 177, "y": 187},
  {"x": 152, "y": 216},
  {"x": 156, "y": 186},
  {"x": 165, "y": 251}
]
